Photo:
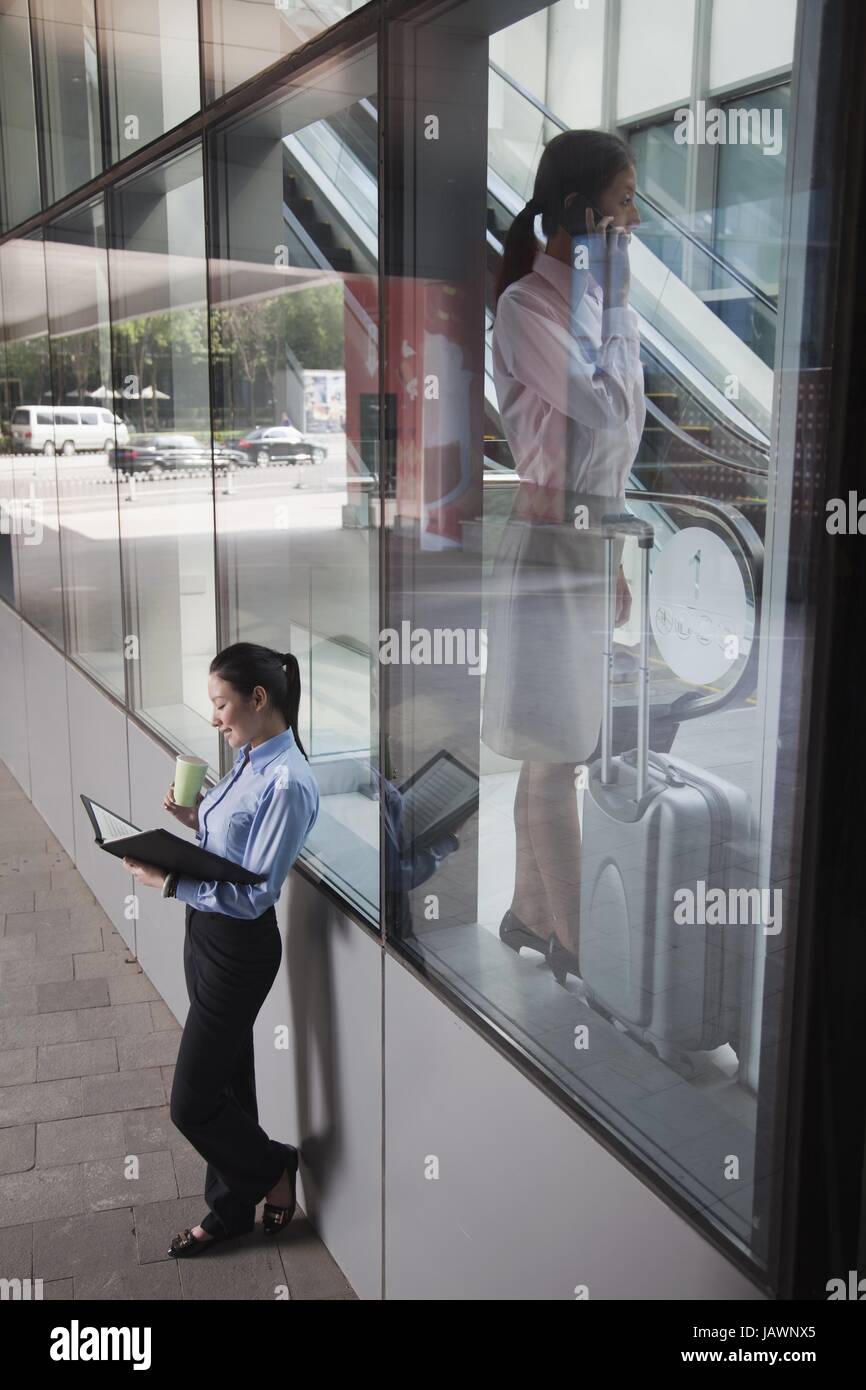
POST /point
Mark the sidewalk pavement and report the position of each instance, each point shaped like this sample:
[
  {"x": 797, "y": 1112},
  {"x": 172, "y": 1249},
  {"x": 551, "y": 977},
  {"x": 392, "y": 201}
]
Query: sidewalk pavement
[{"x": 87, "y": 1051}]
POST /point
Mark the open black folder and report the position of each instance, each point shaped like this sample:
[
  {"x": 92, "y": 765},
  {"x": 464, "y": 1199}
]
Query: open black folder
[{"x": 160, "y": 847}]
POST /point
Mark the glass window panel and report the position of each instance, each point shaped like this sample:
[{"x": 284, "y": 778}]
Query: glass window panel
[
  {"x": 655, "y": 55},
  {"x": 748, "y": 217},
  {"x": 558, "y": 55},
  {"x": 78, "y": 313},
  {"x": 770, "y": 27},
  {"x": 19, "y": 166},
  {"x": 294, "y": 287},
  {"x": 67, "y": 88},
  {"x": 558, "y": 903},
  {"x": 30, "y": 465},
  {"x": 10, "y": 412},
  {"x": 662, "y": 165},
  {"x": 158, "y": 285},
  {"x": 151, "y": 66},
  {"x": 241, "y": 37},
  {"x": 575, "y": 61}
]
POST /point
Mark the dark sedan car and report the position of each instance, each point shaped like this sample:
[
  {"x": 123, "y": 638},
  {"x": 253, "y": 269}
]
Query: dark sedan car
[
  {"x": 169, "y": 453},
  {"x": 278, "y": 444}
]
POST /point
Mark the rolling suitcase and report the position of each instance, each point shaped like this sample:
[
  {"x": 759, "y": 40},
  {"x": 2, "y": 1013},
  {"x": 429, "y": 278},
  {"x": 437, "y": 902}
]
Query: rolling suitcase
[{"x": 653, "y": 825}]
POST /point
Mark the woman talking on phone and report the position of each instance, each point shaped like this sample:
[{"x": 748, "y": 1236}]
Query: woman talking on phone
[
  {"x": 569, "y": 382},
  {"x": 259, "y": 816}
]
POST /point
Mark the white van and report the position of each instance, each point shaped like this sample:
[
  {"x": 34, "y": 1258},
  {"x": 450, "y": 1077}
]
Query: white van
[{"x": 63, "y": 429}]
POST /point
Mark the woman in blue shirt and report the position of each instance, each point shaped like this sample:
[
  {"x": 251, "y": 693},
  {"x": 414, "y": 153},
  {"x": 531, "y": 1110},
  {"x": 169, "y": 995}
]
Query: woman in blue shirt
[{"x": 259, "y": 815}]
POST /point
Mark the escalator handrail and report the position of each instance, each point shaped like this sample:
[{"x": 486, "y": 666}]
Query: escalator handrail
[
  {"x": 656, "y": 207},
  {"x": 750, "y": 469}
]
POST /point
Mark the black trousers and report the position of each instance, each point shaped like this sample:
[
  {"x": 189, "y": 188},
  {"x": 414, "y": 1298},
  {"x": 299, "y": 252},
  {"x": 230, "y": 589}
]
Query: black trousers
[{"x": 230, "y": 965}]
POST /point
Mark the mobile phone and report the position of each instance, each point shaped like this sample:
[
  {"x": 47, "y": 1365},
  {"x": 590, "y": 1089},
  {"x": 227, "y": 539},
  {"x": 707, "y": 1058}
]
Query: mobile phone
[{"x": 573, "y": 216}]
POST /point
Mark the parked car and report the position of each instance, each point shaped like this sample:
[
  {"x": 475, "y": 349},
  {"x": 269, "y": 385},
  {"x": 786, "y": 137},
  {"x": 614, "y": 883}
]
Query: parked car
[
  {"x": 63, "y": 429},
  {"x": 169, "y": 452},
  {"x": 279, "y": 443}
]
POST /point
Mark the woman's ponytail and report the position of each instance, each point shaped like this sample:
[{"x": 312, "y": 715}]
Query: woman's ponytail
[
  {"x": 518, "y": 254},
  {"x": 293, "y": 696}
]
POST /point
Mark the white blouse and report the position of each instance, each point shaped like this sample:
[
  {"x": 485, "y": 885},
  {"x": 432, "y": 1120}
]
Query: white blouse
[{"x": 569, "y": 380}]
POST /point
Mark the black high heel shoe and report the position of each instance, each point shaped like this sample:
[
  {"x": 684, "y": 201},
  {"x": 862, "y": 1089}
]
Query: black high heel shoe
[
  {"x": 186, "y": 1244},
  {"x": 275, "y": 1218},
  {"x": 561, "y": 961},
  {"x": 516, "y": 934}
]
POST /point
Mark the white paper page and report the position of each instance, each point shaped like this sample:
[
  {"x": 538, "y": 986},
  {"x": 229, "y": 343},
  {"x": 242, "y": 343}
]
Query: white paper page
[
  {"x": 443, "y": 788},
  {"x": 112, "y": 827}
]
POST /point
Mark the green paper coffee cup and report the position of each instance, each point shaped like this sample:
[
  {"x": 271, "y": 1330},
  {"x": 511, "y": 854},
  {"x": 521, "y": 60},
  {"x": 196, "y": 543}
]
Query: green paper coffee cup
[{"x": 189, "y": 774}]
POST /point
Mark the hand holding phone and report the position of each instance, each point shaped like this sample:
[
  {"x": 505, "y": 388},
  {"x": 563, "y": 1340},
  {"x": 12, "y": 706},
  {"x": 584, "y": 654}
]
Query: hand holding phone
[
  {"x": 579, "y": 217},
  {"x": 608, "y": 258}
]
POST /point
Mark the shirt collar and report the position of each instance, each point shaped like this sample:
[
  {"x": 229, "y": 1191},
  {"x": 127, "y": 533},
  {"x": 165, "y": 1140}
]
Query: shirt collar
[
  {"x": 269, "y": 750},
  {"x": 572, "y": 284}
]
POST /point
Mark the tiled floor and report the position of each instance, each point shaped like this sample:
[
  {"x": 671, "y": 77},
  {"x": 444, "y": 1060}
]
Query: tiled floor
[{"x": 94, "y": 1178}]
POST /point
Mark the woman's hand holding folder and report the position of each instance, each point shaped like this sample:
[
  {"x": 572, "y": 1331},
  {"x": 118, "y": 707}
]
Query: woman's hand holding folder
[
  {"x": 187, "y": 815},
  {"x": 149, "y": 874}
]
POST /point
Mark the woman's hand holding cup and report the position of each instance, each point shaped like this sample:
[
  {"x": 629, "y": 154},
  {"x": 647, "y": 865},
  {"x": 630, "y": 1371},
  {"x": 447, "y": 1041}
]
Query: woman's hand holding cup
[{"x": 187, "y": 815}]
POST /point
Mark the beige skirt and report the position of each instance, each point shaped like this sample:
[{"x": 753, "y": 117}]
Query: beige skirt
[{"x": 545, "y": 628}]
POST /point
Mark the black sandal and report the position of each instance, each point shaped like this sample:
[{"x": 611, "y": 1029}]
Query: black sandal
[
  {"x": 185, "y": 1243},
  {"x": 276, "y": 1218}
]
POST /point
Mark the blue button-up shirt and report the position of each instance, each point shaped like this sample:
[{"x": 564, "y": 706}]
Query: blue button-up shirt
[{"x": 259, "y": 816}]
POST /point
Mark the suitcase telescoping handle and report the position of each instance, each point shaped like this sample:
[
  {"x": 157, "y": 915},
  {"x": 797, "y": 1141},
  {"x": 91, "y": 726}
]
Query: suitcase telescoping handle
[{"x": 617, "y": 525}]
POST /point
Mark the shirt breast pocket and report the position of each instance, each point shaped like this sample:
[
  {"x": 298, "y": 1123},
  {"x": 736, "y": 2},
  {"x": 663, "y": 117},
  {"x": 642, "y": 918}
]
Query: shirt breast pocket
[{"x": 237, "y": 834}]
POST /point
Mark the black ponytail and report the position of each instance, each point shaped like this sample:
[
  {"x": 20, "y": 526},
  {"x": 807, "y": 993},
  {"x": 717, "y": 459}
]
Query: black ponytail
[
  {"x": 292, "y": 701},
  {"x": 244, "y": 665},
  {"x": 575, "y": 161},
  {"x": 518, "y": 254}
]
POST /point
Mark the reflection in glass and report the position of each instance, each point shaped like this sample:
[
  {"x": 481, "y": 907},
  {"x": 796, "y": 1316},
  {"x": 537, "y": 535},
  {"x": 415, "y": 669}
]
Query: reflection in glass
[
  {"x": 241, "y": 37},
  {"x": 165, "y": 470},
  {"x": 294, "y": 265},
  {"x": 559, "y": 922},
  {"x": 78, "y": 312},
  {"x": 151, "y": 69},
  {"x": 748, "y": 220},
  {"x": 67, "y": 93},
  {"x": 19, "y": 164},
  {"x": 31, "y": 479}
]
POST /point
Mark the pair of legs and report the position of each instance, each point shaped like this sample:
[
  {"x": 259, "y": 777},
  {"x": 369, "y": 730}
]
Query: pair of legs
[
  {"x": 547, "y": 880},
  {"x": 229, "y": 967}
]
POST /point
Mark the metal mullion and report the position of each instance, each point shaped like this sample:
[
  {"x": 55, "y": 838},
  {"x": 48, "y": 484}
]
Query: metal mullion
[
  {"x": 102, "y": 89},
  {"x": 128, "y": 691},
  {"x": 219, "y": 614},
  {"x": 42, "y": 132}
]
